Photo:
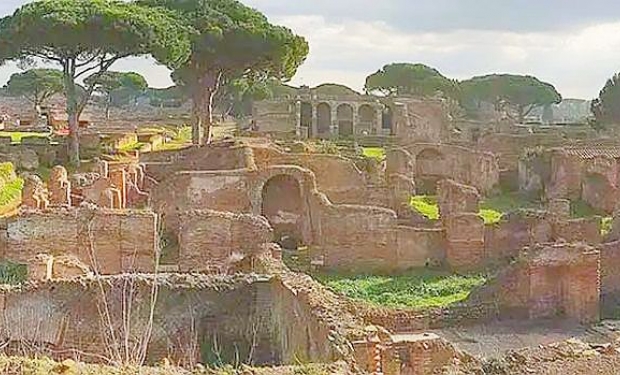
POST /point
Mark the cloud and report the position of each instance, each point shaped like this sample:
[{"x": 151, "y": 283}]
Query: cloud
[
  {"x": 448, "y": 15},
  {"x": 571, "y": 43},
  {"x": 578, "y": 61}
]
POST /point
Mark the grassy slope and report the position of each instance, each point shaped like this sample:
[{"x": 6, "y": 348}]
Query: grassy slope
[{"x": 423, "y": 289}]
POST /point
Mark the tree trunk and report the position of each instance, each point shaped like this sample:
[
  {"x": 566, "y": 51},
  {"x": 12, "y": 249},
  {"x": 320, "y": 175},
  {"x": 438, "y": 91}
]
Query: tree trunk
[
  {"x": 196, "y": 118},
  {"x": 108, "y": 103},
  {"x": 72, "y": 112},
  {"x": 207, "y": 116}
]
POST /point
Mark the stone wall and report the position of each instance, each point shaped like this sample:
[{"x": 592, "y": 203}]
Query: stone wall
[
  {"x": 31, "y": 153},
  {"x": 274, "y": 116},
  {"x": 278, "y": 324},
  {"x": 590, "y": 175},
  {"x": 509, "y": 147},
  {"x": 610, "y": 277},
  {"x": 210, "y": 240},
  {"x": 368, "y": 238},
  {"x": 110, "y": 241},
  {"x": 338, "y": 177},
  {"x": 465, "y": 166},
  {"x": 421, "y": 120},
  {"x": 548, "y": 281},
  {"x": 219, "y": 156}
]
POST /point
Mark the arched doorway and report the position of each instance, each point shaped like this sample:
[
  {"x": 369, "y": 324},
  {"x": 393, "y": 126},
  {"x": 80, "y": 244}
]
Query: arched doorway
[
  {"x": 282, "y": 206},
  {"x": 306, "y": 117},
  {"x": 344, "y": 114},
  {"x": 367, "y": 117},
  {"x": 387, "y": 120},
  {"x": 430, "y": 168},
  {"x": 323, "y": 118}
]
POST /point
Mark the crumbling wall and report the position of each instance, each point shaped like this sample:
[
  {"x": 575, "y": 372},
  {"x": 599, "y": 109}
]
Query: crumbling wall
[
  {"x": 421, "y": 120},
  {"x": 336, "y": 176},
  {"x": 456, "y": 198},
  {"x": 93, "y": 317},
  {"x": 463, "y": 165},
  {"x": 108, "y": 241},
  {"x": 548, "y": 281},
  {"x": 274, "y": 116},
  {"x": 209, "y": 240},
  {"x": 217, "y": 156},
  {"x": 367, "y": 238}
]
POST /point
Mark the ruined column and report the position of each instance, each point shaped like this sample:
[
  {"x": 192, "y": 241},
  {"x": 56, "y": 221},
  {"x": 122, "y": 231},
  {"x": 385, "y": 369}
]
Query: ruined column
[
  {"x": 119, "y": 180},
  {"x": 355, "y": 119},
  {"x": 315, "y": 120},
  {"x": 334, "y": 117},
  {"x": 34, "y": 194},
  {"x": 298, "y": 131},
  {"x": 59, "y": 187},
  {"x": 379, "y": 123},
  {"x": 101, "y": 167}
]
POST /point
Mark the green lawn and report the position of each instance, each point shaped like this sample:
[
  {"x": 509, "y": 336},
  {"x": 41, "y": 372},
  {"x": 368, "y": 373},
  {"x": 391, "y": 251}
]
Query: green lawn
[
  {"x": 423, "y": 289},
  {"x": 16, "y": 137},
  {"x": 374, "y": 152}
]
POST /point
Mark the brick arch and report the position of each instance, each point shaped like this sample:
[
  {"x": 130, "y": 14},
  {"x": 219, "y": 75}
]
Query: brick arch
[
  {"x": 305, "y": 186},
  {"x": 345, "y": 115},
  {"x": 323, "y": 118}
]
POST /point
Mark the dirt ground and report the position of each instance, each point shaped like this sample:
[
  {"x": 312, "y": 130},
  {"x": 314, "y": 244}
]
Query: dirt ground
[{"x": 544, "y": 348}]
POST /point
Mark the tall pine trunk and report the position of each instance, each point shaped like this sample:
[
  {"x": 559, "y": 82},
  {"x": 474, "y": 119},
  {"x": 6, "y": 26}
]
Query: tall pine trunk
[
  {"x": 202, "y": 113},
  {"x": 72, "y": 112},
  {"x": 196, "y": 118}
]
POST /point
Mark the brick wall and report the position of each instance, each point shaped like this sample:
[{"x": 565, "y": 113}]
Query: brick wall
[
  {"x": 122, "y": 241},
  {"x": 208, "y": 239},
  {"x": 548, "y": 281}
]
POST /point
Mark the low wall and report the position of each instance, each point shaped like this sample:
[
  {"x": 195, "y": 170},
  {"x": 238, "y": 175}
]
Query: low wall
[{"x": 111, "y": 241}]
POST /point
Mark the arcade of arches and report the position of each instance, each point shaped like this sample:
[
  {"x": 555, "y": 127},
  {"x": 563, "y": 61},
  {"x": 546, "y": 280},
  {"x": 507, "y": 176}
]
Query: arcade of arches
[{"x": 345, "y": 119}]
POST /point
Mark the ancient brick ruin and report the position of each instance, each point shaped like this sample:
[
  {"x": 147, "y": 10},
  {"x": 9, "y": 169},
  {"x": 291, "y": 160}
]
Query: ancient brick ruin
[{"x": 207, "y": 228}]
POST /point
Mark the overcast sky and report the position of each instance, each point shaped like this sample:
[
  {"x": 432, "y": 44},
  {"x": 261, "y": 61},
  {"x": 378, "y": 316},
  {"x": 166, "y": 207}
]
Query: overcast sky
[{"x": 573, "y": 44}]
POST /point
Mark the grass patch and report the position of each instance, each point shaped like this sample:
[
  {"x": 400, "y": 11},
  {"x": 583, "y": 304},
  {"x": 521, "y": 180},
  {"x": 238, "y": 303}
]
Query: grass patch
[
  {"x": 426, "y": 206},
  {"x": 374, "y": 153},
  {"x": 16, "y": 137},
  {"x": 13, "y": 273},
  {"x": 509, "y": 202},
  {"x": 490, "y": 216},
  {"x": 10, "y": 194},
  {"x": 606, "y": 225},
  {"x": 181, "y": 138},
  {"x": 130, "y": 147},
  {"x": 11, "y": 191},
  {"x": 422, "y": 289},
  {"x": 580, "y": 209}
]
